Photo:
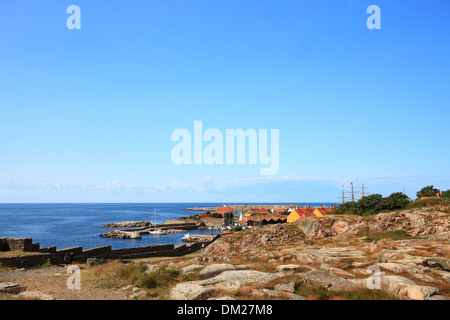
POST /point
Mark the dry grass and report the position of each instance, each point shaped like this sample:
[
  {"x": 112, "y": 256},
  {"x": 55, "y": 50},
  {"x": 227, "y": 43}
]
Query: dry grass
[
  {"x": 156, "y": 283},
  {"x": 391, "y": 235},
  {"x": 9, "y": 254}
]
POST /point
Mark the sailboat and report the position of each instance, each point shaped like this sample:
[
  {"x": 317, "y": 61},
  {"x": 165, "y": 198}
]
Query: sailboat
[{"x": 155, "y": 231}]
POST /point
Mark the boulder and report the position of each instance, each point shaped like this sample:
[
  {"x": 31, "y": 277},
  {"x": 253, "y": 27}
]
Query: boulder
[
  {"x": 190, "y": 291},
  {"x": 275, "y": 294},
  {"x": 327, "y": 280},
  {"x": 11, "y": 288},
  {"x": 288, "y": 267},
  {"x": 226, "y": 281},
  {"x": 396, "y": 267},
  {"x": 288, "y": 287},
  {"x": 233, "y": 280},
  {"x": 214, "y": 269},
  {"x": 34, "y": 295},
  {"x": 190, "y": 269},
  {"x": 406, "y": 288},
  {"x": 437, "y": 263}
]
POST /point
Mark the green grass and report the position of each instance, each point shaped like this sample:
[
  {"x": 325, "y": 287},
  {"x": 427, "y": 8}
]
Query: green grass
[
  {"x": 321, "y": 293},
  {"x": 392, "y": 235},
  {"x": 431, "y": 202},
  {"x": 47, "y": 264},
  {"x": 116, "y": 275}
]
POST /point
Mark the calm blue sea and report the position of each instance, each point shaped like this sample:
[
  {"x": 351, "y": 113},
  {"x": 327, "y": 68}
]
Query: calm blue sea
[{"x": 70, "y": 225}]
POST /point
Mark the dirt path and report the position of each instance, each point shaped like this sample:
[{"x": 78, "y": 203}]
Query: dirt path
[{"x": 53, "y": 281}]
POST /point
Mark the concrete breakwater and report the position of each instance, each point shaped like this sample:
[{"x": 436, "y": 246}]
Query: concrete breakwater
[
  {"x": 41, "y": 256},
  {"x": 168, "y": 227}
]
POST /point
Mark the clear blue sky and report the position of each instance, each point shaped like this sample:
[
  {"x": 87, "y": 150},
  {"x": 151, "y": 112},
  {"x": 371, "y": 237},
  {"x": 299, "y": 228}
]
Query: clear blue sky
[{"x": 87, "y": 115}]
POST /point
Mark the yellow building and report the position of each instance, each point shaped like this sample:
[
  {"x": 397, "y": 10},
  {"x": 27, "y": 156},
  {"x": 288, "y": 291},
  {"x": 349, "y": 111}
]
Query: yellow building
[
  {"x": 322, "y": 212},
  {"x": 299, "y": 214}
]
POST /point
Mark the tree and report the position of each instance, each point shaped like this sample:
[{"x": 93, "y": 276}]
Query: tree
[
  {"x": 374, "y": 204},
  {"x": 369, "y": 204},
  {"x": 346, "y": 208},
  {"x": 428, "y": 191},
  {"x": 395, "y": 201},
  {"x": 446, "y": 194}
]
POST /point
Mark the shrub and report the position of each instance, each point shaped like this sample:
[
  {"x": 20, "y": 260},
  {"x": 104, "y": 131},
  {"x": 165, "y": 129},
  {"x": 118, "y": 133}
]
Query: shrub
[
  {"x": 374, "y": 204},
  {"x": 236, "y": 229},
  {"x": 427, "y": 191},
  {"x": 445, "y": 194}
]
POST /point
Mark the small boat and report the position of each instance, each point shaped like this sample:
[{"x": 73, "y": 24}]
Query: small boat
[
  {"x": 211, "y": 227},
  {"x": 155, "y": 231},
  {"x": 186, "y": 236}
]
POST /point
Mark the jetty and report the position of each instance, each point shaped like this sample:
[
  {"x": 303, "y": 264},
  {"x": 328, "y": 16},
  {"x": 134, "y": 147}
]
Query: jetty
[{"x": 169, "y": 227}]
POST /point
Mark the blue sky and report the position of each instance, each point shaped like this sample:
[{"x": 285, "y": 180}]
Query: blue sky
[{"x": 87, "y": 115}]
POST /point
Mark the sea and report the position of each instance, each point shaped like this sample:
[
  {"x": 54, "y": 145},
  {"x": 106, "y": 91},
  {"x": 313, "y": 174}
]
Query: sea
[{"x": 66, "y": 225}]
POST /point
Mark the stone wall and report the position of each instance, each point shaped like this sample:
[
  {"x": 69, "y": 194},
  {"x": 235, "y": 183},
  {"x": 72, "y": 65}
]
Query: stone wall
[
  {"x": 57, "y": 256},
  {"x": 139, "y": 252},
  {"x": 48, "y": 249},
  {"x": 18, "y": 244},
  {"x": 77, "y": 251},
  {"x": 96, "y": 251},
  {"x": 3, "y": 245},
  {"x": 29, "y": 260}
]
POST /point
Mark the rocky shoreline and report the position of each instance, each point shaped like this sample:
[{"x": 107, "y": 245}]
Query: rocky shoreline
[
  {"x": 404, "y": 255},
  {"x": 334, "y": 253},
  {"x": 116, "y": 234}
]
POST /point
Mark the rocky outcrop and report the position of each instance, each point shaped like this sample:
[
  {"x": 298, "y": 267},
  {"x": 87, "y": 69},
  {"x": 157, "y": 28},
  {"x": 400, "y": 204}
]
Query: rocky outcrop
[
  {"x": 289, "y": 267},
  {"x": 34, "y": 295},
  {"x": 276, "y": 294},
  {"x": 11, "y": 288},
  {"x": 333, "y": 252},
  {"x": 327, "y": 280},
  {"x": 426, "y": 223},
  {"x": 214, "y": 269},
  {"x": 191, "y": 268},
  {"x": 116, "y": 234},
  {"x": 407, "y": 288},
  {"x": 190, "y": 291},
  {"x": 226, "y": 281}
]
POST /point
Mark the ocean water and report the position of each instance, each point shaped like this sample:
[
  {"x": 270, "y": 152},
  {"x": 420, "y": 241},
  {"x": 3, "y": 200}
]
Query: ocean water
[{"x": 70, "y": 225}]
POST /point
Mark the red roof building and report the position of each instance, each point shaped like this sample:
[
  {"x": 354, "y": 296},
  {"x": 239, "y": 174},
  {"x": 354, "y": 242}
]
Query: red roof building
[
  {"x": 224, "y": 209},
  {"x": 256, "y": 221},
  {"x": 256, "y": 211}
]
